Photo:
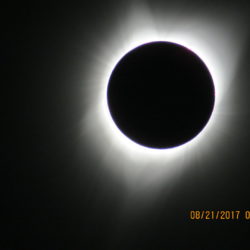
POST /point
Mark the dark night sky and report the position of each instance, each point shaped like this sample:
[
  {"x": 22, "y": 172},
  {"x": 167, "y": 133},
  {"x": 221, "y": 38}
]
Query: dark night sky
[{"x": 55, "y": 193}]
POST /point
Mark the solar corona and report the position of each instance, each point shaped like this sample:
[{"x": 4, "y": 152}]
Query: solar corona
[{"x": 156, "y": 94}]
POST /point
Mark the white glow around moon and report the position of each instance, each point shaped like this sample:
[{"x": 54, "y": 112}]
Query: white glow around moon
[{"x": 211, "y": 40}]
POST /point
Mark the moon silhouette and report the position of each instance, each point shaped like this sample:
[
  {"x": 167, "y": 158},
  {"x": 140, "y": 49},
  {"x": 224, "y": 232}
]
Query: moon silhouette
[{"x": 160, "y": 95}]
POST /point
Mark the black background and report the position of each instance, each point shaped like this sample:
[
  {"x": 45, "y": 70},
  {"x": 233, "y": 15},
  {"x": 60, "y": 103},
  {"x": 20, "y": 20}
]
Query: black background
[{"x": 54, "y": 192}]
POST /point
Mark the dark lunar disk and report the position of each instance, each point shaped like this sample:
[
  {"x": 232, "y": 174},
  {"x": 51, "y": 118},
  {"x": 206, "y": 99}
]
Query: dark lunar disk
[{"x": 161, "y": 95}]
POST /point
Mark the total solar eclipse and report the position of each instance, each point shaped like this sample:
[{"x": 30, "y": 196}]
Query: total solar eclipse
[{"x": 160, "y": 95}]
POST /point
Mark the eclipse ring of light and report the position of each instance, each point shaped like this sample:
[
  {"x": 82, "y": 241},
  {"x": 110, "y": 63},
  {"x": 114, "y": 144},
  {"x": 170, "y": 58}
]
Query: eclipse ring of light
[
  {"x": 209, "y": 38},
  {"x": 160, "y": 95}
]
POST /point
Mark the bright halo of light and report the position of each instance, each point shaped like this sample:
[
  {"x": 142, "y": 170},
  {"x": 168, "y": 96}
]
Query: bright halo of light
[{"x": 136, "y": 163}]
